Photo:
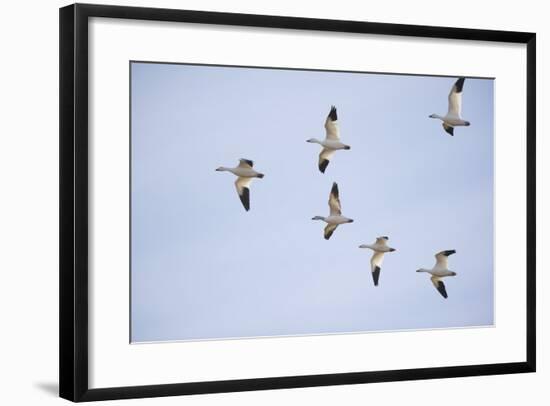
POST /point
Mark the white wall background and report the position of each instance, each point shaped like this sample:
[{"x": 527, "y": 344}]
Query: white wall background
[{"x": 29, "y": 203}]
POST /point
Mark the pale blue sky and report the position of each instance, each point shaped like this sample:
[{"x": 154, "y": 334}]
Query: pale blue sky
[{"x": 203, "y": 268}]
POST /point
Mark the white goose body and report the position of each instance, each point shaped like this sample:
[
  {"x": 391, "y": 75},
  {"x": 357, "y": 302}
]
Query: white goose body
[
  {"x": 331, "y": 143},
  {"x": 335, "y": 218},
  {"x": 238, "y": 171},
  {"x": 245, "y": 174},
  {"x": 451, "y": 121},
  {"x": 440, "y": 270},
  {"x": 380, "y": 247},
  {"x": 439, "y": 273},
  {"x": 453, "y": 117}
]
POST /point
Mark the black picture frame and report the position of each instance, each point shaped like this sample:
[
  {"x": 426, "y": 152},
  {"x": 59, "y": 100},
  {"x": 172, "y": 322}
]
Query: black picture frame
[{"x": 73, "y": 280}]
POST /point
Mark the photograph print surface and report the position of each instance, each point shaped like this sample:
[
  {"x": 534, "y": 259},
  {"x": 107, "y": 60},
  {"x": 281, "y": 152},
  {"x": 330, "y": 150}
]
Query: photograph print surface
[{"x": 281, "y": 202}]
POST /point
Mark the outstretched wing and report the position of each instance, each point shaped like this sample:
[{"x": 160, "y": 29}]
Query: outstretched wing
[
  {"x": 441, "y": 259},
  {"x": 382, "y": 241},
  {"x": 455, "y": 98},
  {"x": 331, "y": 125},
  {"x": 246, "y": 163},
  {"x": 375, "y": 265},
  {"x": 242, "y": 185},
  {"x": 329, "y": 229},
  {"x": 334, "y": 201},
  {"x": 439, "y": 285},
  {"x": 449, "y": 128},
  {"x": 324, "y": 158}
]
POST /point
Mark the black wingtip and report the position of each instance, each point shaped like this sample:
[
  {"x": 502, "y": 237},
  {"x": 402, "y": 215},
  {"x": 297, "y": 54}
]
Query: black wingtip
[
  {"x": 248, "y": 161},
  {"x": 332, "y": 114},
  {"x": 334, "y": 189},
  {"x": 245, "y": 198},
  {"x": 328, "y": 233},
  {"x": 459, "y": 84},
  {"x": 260, "y": 175},
  {"x": 323, "y": 165},
  {"x": 449, "y": 252},
  {"x": 441, "y": 289},
  {"x": 376, "y": 275},
  {"x": 449, "y": 129}
]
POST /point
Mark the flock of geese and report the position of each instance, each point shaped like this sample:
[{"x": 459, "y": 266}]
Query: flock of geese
[{"x": 245, "y": 173}]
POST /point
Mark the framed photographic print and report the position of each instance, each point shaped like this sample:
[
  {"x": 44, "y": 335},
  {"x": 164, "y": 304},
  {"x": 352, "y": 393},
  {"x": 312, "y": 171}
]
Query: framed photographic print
[{"x": 257, "y": 202}]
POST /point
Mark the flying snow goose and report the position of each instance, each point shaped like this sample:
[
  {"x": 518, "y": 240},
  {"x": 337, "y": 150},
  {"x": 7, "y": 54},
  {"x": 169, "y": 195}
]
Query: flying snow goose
[
  {"x": 335, "y": 218},
  {"x": 380, "y": 247},
  {"x": 331, "y": 143},
  {"x": 453, "y": 119},
  {"x": 440, "y": 270},
  {"x": 245, "y": 174}
]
